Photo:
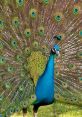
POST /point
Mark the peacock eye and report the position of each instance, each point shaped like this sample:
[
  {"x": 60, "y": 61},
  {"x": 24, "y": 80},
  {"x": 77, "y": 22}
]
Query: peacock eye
[
  {"x": 33, "y": 97},
  {"x": 21, "y": 88},
  {"x": 80, "y": 79},
  {"x": 10, "y": 69},
  {"x": 75, "y": 11},
  {"x": 33, "y": 13},
  {"x": 80, "y": 33},
  {"x": 74, "y": 100},
  {"x": 64, "y": 85},
  {"x": 45, "y": 2},
  {"x": 57, "y": 96},
  {"x": 2, "y": 60},
  {"x": 11, "y": 110},
  {"x": 20, "y": 2},
  {"x": 58, "y": 18},
  {"x": 24, "y": 104},
  {"x": 27, "y": 51},
  {"x": 35, "y": 44},
  {"x": 57, "y": 73},
  {"x": 1, "y": 24},
  {"x": 71, "y": 66},
  {"x": 14, "y": 43},
  {"x": 18, "y": 58},
  {"x": 79, "y": 54},
  {"x": 27, "y": 33},
  {"x": 15, "y": 22},
  {"x": 41, "y": 31}
]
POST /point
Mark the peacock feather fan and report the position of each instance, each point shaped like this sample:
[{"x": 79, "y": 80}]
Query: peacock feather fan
[{"x": 28, "y": 31}]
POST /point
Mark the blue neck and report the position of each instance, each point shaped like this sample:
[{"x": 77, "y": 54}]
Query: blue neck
[
  {"x": 50, "y": 67},
  {"x": 45, "y": 84}
]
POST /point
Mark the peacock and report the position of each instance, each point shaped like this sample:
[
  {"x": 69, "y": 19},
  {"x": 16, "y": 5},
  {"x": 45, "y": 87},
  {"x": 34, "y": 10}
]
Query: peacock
[
  {"x": 45, "y": 85},
  {"x": 32, "y": 35}
]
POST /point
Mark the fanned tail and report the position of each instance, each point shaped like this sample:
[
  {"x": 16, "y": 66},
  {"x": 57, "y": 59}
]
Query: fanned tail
[{"x": 28, "y": 30}]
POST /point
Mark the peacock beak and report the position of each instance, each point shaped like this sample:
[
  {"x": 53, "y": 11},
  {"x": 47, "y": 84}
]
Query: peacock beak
[{"x": 54, "y": 51}]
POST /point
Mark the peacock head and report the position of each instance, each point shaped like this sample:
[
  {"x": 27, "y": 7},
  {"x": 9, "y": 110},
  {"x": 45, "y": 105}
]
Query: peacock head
[{"x": 55, "y": 50}]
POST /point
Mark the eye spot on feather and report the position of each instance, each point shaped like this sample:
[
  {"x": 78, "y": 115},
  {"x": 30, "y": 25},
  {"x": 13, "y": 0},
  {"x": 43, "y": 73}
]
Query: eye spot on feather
[
  {"x": 16, "y": 22},
  {"x": 20, "y": 2},
  {"x": 57, "y": 73},
  {"x": 10, "y": 69},
  {"x": 24, "y": 105},
  {"x": 11, "y": 110},
  {"x": 14, "y": 43},
  {"x": 21, "y": 88},
  {"x": 76, "y": 10},
  {"x": 79, "y": 55},
  {"x": 41, "y": 31},
  {"x": 45, "y": 2},
  {"x": 1, "y": 24},
  {"x": 27, "y": 51},
  {"x": 35, "y": 45},
  {"x": 80, "y": 33},
  {"x": 74, "y": 100},
  {"x": 71, "y": 66},
  {"x": 65, "y": 85},
  {"x": 33, "y": 13},
  {"x": 32, "y": 98},
  {"x": 2, "y": 60},
  {"x": 57, "y": 96},
  {"x": 80, "y": 79},
  {"x": 27, "y": 33},
  {"x": 58, "y": 18},
  {"x": 18, "y": 58}
]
